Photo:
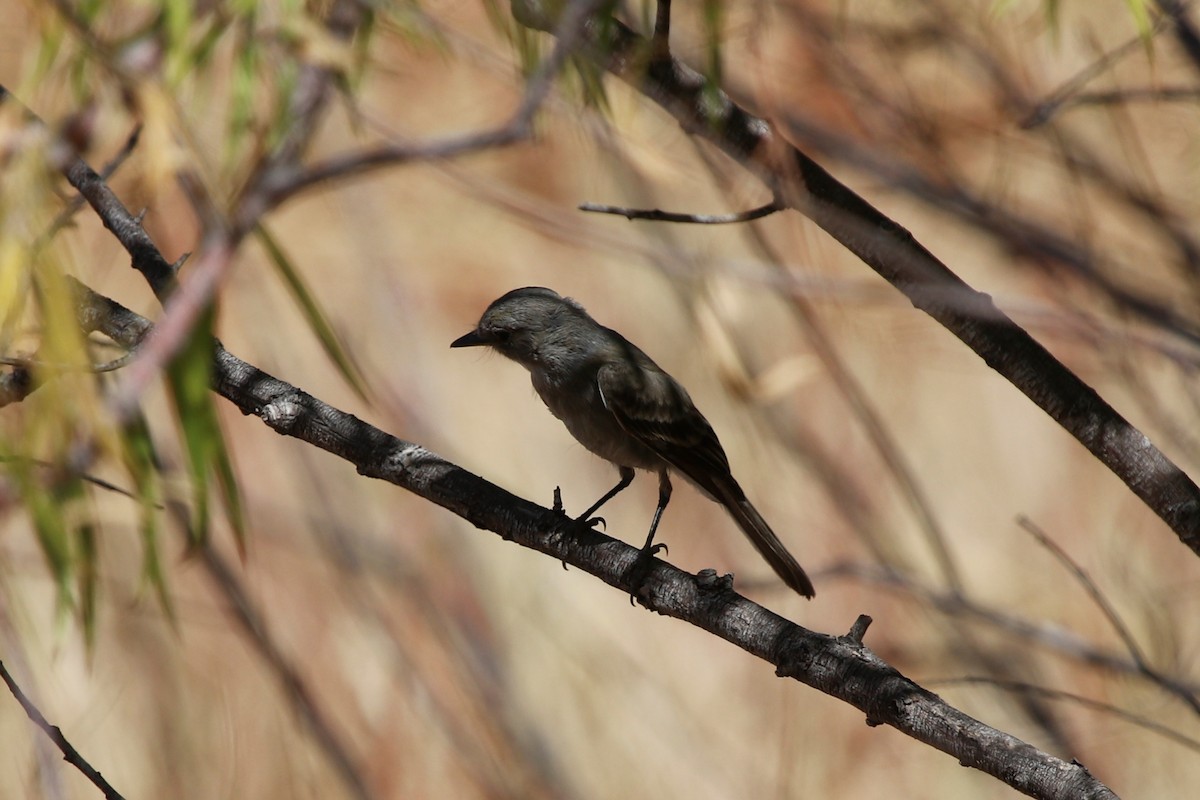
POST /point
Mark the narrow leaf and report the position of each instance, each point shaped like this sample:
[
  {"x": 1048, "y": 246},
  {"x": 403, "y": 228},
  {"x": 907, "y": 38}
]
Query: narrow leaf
[{"x": 317, "y": 319}]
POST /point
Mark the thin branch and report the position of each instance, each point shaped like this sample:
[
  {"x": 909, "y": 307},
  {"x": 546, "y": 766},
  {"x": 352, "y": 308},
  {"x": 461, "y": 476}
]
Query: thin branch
[
  {"x": 85, "y": 477},
  {"x": 1044, "y": 112},
  {"x": 70, "y": 754},
  {"x": 1069, "y": 90},
  {"x": 77, "y": 200},
  {"x": 694, "y": 219},
  {"x": 1089, "y": 586},
  {"x": 286, "y": 185},
  {"x": 864, "y": 410},
  {"x": 1185, "y": 31},
  {"x": 1106, "y": 608},
  {"x": 288, "y": 180},
  {"x": 21, "y": 362}
]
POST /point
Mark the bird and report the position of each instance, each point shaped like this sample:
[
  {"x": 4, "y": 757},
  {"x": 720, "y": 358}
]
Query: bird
[{"x": 619, "y": 404}]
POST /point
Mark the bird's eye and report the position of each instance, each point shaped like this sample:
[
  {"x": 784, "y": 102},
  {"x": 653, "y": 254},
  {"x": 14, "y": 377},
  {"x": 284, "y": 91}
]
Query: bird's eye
[{"x": 503, "y": 336}]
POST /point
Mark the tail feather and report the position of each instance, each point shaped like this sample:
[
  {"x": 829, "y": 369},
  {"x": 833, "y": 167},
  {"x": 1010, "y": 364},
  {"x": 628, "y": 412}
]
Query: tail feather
[{"x": 768, "y": 545}]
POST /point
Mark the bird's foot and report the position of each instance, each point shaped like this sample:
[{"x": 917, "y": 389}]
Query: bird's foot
[
  {"x": 640, "y": 570},
  {"x": 563, "y": 522},
  {"x": 592, "y": 523}
]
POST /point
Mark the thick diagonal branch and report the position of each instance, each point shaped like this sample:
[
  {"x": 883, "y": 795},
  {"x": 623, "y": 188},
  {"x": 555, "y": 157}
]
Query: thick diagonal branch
[
  {"x": 891, "y": 251},
  {"x": 838, "y": 666}
]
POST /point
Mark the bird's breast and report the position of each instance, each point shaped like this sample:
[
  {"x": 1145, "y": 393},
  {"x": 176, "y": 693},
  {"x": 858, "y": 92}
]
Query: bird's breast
[{"x": 578, "y": 404}]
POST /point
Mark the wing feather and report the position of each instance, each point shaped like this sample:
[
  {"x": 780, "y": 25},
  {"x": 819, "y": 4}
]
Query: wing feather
[{"x": 655, "y": 410}]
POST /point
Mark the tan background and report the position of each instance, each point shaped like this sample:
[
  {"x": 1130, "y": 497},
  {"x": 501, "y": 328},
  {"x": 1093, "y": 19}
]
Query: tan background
[{"x": 457, "y": 665}]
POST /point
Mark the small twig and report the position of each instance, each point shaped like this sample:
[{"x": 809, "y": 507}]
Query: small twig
[
  {"x": 1089, "y": 586},
  {"x": 1185, "y": 31},
  {"x": 1106, "y": 608},
  {"x": 21, "y": 362},
  {"x": 1061, "y": 97},
  {"x": 70, "y": 754},
  {"x": 1171, "y": 94},
  {"x": 693, "y": 219},
  {"x": 1057, "y": 694},
  {"x": 859, "y": 629},
  {"x": 83, "y": 476},
  {"x": 77, "y": 200}
]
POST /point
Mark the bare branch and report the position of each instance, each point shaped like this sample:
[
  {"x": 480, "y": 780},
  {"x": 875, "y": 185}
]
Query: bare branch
[
  {"x": 889, "y": 249},
  {"x": 1068, "y": 93},
  {"x": 1185, "y": 31},
  {"x": 287, "y": 180},
  {"x": 694, "y": 219},
  {"x": 76, "y": 202},
  {"x": 70, "y": 754},
  {"x": 92, "y": 479},
  {"x": 1106, "y": 608},
  {"x": 837, "y": 666}
]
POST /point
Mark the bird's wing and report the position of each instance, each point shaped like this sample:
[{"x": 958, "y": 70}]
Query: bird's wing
[{"x": 655, "y": 410}]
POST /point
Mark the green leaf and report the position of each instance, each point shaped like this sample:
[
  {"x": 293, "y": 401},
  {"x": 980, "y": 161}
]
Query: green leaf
[
  {"x": 1140, "y": 9},
  {"x": 52, "y": 534},
  {"x": 47, "y": 495},
  {"x": 242, "y": 90},
  {"x": 141, "y": 461},
  {"x": 317, "y": 320},
  {"x": 189, "y": 376},
  {"x": 86, "y": 577}
]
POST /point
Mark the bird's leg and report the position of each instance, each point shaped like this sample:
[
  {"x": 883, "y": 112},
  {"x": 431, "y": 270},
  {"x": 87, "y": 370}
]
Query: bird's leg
[
  {"x": 649, "y": 549},
  {"x": 641, "y": 566},
  {"x": 626, "y": 479}
]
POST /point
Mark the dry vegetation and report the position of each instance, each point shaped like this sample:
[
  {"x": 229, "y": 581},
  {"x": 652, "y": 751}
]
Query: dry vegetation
[{"x": 452, "y": 664}]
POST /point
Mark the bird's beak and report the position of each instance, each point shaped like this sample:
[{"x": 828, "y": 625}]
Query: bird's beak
[{"x": 472, "y": 339}]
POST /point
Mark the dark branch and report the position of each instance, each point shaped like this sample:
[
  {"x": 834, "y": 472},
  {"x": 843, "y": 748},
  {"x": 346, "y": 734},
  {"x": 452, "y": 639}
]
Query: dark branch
[
  {"x": 837, "y": 666},
  {"x": 889, "y": 249},
  {"x": 287, "y": 180},
  {"x": 1185, "y": 32},
  {"x": 70, "y": 754},
  {"x": 694, "y": 219}
]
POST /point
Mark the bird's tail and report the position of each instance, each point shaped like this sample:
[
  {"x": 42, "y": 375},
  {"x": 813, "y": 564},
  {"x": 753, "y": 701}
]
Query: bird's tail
[{"x": 768, "y": 545}]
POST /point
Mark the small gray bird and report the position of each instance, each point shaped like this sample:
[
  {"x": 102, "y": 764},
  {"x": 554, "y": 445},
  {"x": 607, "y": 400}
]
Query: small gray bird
[{"x": 623, "y": 407}]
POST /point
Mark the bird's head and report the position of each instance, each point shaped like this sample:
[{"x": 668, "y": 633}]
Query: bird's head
[{"x": 524, "y": 324}]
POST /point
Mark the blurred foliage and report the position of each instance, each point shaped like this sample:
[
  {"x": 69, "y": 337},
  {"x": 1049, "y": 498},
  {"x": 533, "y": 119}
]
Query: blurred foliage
[{"x": 201, "y": 79}]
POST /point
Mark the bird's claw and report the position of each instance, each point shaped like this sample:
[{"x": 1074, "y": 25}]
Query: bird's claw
[
  {"x": 593, "y": 522},
  {"x": 640, "y": 570}
]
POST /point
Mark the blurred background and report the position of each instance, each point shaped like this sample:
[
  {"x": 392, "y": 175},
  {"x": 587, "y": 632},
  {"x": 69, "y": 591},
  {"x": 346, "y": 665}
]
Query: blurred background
[{"x": 888, "y": 457}]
